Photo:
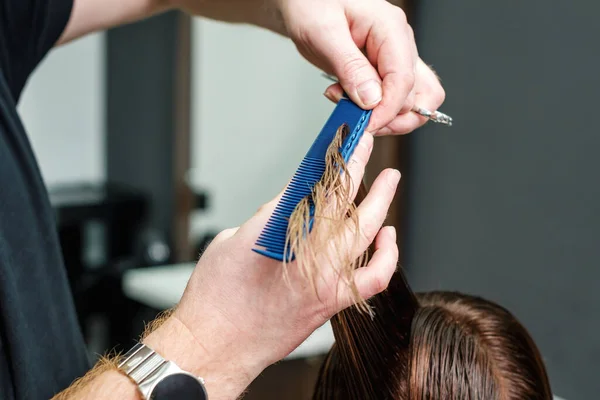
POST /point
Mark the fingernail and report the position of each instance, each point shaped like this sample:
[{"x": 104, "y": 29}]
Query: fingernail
[
  {"x": 369, "y": 92},
  {"x": 330, "y": 96},
  {"x": 393, "y": 232},
  {"x": 394, "y": 178}
]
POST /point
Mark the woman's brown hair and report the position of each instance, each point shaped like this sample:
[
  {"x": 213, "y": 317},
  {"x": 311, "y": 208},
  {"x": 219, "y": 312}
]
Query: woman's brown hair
[{"x": 436, "y": 345}]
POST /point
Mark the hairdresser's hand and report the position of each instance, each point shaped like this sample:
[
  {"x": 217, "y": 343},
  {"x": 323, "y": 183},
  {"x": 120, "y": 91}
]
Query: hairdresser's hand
[
  {"x": 367, "y": 44},
  {"x": 239, "y": 306},
  {"x": 391, "y": 78}
]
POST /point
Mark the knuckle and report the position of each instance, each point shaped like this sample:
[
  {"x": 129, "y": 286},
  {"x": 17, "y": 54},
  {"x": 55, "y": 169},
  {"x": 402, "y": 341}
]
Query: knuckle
[
  {"x": 310, "y": 30},
  {"x": 363, "y": 159},
  {"x": 439, "y": 96},
  {"x": 303, "y": 39},
  {"x": 379, "y": 284},
  {"x": 411, "y": 32},
  {"x": 400, "y": 16},
  {"x": 353, "y": 67},
  {"x": 224, "y": 234},
  {"x": 409, "y": 79},
  {"x": 404, "y": 80},
  {"x": 220, "y": 236},
  {"x": 356, "y": 167},
  {"x": 363, "y": 154},
  {"x": 301, "y": 34},
  {"x": 396, "y": 253},
  {"x": 263, "y": 208},
  {"x": 410, "y": 102},
  {"x": 367, "y": 231}
]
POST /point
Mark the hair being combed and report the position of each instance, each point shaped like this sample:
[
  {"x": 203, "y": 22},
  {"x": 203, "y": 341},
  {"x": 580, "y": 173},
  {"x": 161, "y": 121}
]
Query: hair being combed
[{"x": 310, "y": 238}]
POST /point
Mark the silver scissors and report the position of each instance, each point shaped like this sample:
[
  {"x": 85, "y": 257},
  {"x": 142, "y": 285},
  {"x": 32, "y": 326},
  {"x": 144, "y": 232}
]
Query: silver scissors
[{"x": 434, "y": 116}]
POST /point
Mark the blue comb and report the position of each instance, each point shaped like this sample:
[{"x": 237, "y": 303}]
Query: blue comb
[{"x": 272, "y": 240}]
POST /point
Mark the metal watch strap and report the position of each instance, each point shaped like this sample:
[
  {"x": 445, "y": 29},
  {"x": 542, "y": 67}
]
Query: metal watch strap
[
  {"x": 148, "y": 369},
  {"x": 141, "y": 362}
]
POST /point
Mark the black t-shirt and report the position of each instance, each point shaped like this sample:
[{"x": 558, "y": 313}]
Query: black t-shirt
[{"x": 41, "y": 347}]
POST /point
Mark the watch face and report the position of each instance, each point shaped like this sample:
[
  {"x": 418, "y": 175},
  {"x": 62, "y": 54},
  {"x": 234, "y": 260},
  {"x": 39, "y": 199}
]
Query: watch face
[{"x": 179, "y": 386}]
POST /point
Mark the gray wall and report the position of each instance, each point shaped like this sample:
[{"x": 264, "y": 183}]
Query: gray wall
[
  {"x": 63, "y": 110},
  {"x": 506, "y": 204}
]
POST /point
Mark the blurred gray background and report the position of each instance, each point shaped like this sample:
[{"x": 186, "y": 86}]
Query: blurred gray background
[{"x": 506, "y": 204}]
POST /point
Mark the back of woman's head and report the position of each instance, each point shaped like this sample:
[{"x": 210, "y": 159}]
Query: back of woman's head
[
  {"x": 465, "y": 347},
  {"x": 454, "y": 346}
]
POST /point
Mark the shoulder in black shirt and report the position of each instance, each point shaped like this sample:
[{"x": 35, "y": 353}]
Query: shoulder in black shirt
[{"x": 41, "y": 347}]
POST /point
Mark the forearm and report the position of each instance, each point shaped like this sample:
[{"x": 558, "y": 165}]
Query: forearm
[
  {"x": 103, "y": 382},
  {"x": 225, "y": 377},
  {"x": 261, "y": 13},
  {"x": 96, "y": 15}
]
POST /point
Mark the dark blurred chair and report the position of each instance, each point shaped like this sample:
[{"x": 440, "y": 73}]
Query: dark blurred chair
[{"x": 102, "y": 231}]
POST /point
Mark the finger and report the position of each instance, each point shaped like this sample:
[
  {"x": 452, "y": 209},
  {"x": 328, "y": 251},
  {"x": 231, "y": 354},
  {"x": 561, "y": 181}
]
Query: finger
[
  {"x": 224, "y": 235},
  {"x": 409, "y": 103},
  {"x": 403, "y": 124},
  {"x": 375, "y": 277},
  {"x": 334, "y": 92},
  {"x": 430, "y": 95},
  {"x": 396, "y": 66},
  {"x": 356, "y": 74},
  {"x": 358, "y": 162},
  {"x": 372, "y": 212}
]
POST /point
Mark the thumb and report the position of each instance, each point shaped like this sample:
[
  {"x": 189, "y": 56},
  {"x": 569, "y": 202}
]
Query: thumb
[{"x": 358, "y": 77}]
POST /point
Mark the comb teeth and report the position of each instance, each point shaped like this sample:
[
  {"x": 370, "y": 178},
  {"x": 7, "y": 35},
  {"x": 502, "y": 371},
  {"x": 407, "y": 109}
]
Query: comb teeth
[{"x": 272, "y": 238}]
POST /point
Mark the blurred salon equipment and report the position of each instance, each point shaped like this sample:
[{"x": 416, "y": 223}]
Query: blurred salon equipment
[{"x": 102, "y": 234}]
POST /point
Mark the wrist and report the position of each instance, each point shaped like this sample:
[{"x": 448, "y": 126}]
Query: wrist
[{"x": 209, "y": 353}]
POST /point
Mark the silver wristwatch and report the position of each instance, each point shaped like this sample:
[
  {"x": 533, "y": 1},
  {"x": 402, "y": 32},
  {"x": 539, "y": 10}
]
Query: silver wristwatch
[{"x": 159, "y": 379}]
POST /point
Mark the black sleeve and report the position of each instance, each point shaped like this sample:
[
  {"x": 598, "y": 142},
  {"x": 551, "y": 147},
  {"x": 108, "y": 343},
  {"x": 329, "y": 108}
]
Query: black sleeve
[{"x": 28, "y": 30}]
